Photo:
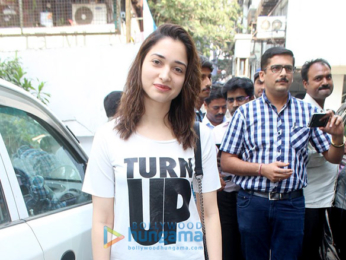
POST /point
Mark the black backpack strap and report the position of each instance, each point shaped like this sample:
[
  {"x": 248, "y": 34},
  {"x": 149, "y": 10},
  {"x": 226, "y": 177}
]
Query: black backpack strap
[{"x": 198, "y": 151}]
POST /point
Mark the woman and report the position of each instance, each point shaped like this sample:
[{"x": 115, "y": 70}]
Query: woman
[{"x": 140, "y": 168}]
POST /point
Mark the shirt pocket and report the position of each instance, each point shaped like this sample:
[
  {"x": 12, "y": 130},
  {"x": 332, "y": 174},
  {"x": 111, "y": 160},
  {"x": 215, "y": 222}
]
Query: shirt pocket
[{"x": 299, "y": 137}]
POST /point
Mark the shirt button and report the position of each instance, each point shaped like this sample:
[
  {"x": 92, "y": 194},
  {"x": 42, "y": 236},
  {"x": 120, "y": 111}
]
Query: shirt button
[{"x": 279, "y": 132}]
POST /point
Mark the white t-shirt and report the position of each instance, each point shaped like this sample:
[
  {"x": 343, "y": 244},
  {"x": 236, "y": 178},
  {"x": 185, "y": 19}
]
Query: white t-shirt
[
  {"x": 218, "y": 133},
  {"x": 150, "y": 181},
  {"x": 207, "y": 122},
  {"x": 322, "y": 176}
]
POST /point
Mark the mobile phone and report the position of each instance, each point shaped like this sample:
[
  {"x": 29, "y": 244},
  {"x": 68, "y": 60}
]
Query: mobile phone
[{"x": 318, "y": 120}]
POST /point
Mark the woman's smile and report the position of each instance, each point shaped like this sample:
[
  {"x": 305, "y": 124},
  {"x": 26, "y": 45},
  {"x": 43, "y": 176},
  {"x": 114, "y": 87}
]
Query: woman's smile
[{"x": 162, "y": 87}]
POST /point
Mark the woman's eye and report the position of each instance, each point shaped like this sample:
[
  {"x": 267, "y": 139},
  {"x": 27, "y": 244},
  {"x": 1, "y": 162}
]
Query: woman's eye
[
  {"x": 157, "y": 62},
  {"x": 179, "y": 70}
]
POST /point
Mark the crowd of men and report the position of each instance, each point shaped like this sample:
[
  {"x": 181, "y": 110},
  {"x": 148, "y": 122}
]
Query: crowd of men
[{"x": 278, "y": 175}]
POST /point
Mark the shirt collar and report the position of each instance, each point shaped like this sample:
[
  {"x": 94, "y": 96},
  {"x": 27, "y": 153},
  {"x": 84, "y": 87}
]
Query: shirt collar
[
  {"x": 209, "y": 124},
  {"x": 312, "y": 101},
  {"x": 266, "y": 100}
]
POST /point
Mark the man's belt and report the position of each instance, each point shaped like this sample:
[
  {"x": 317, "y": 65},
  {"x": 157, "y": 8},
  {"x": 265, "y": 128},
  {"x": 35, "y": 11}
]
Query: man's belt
[{"x": 275, "y": 195}]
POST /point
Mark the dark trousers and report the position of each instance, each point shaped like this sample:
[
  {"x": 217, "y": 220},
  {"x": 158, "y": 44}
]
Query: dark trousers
[
  {"x": 314, "y": 223},
  {"x": 231, "y": 248},
  {"x": 270, "y": 229},
  {"x": 338, "y": 225}
]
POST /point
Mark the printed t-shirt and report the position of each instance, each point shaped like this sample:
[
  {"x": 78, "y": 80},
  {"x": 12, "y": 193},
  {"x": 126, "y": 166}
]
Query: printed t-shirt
[{"x": 150, "y": 181}]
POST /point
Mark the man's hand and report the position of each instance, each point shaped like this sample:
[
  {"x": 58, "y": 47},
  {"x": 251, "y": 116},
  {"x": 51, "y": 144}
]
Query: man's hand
[
  {"x": 223, "y": 183},
  {"x": 275, "y": 172},
  {"x": 335, "y": 125}
]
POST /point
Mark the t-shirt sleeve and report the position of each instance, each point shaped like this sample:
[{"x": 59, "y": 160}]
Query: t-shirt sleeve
[
  {"x": 99, "y": 177},
  {"x": 211, "y": 180},
  {"x": 233, "y": 139}
]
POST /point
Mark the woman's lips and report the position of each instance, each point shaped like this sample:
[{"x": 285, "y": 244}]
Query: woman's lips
[{"x": 162, "y": 87}]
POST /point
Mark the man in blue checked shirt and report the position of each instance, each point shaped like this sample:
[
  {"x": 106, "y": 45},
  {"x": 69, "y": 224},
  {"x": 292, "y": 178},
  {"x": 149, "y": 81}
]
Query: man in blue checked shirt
[{"x": 265, "y": 145}]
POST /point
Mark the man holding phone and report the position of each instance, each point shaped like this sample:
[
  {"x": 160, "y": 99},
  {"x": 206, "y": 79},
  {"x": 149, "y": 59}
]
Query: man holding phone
[
  {"x": 319, "y": 194},
  {"x": 265, "y": 145}
]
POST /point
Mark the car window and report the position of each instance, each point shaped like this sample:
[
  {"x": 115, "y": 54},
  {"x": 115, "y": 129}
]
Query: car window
[
  {"x": 4, "y": 214},
  {"x": 49, "y": 174}
]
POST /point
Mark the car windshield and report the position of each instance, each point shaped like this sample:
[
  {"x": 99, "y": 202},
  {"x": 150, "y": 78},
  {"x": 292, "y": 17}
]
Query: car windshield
[
  {"x": 34, "y": 149},
  {"x": 48, "y": 170}
]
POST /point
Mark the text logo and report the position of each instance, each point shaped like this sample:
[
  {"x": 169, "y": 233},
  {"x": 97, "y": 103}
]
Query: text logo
[
  {"x": 176, "y": 232},
  {"x": 118, "y": 235}
]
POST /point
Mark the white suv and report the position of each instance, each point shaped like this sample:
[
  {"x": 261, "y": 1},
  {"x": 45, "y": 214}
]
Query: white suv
[{"x": 43, "y": 212}]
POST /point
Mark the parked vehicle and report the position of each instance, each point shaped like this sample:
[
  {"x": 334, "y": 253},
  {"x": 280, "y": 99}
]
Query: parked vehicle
[{"x": 43, "y": 212}]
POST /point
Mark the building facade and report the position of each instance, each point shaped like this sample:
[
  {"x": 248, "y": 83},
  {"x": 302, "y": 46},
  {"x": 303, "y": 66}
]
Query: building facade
[{"x": 310, "y": 28}]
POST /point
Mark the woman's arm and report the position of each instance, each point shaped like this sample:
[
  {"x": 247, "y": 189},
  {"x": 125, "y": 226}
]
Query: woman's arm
[
  {"x": 103, "y": 215},
  {"x": 212, "y": 225}
]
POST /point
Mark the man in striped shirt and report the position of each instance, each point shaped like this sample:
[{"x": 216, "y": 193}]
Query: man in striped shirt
[{"x": 265, "y": 145}]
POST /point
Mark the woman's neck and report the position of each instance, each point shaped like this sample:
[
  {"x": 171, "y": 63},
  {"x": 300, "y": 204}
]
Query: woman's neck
[{"x": 154, "y": 123}]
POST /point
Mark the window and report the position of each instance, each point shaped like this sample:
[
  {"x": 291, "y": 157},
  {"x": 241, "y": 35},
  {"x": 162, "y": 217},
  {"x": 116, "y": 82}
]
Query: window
[
  {"x": 4, "y": 214},
  {"x": 50, "y": 175}
]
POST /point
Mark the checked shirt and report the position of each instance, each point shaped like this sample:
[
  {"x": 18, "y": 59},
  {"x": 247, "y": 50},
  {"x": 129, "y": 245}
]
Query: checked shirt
[{"x": 258, "y": 133}]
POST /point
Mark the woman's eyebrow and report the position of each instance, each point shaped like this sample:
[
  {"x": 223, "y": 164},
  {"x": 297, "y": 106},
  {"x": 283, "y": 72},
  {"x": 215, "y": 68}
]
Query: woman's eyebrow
[{"x": 163, "y": 57}]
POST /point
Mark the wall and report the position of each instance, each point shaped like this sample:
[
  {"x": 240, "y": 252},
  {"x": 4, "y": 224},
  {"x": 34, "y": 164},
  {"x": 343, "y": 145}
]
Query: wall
[
  {"x": 315, "y": 30},
  {"x": 242, "y": 51},
  {"x": 78, "y": 79}
]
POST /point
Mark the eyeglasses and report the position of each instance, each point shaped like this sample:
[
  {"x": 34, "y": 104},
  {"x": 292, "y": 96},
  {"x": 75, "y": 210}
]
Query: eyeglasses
[
  {"x": 239, "y": 99},
  {"x": 205, "y": 76},
  {"x": 278, "y": 68}
]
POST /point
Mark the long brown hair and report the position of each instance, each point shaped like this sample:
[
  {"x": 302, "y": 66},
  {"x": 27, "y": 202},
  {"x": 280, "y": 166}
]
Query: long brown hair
[{"x": 181, "y": 114}]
